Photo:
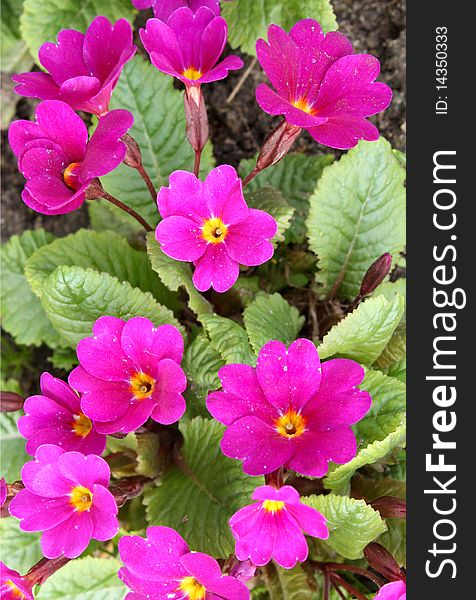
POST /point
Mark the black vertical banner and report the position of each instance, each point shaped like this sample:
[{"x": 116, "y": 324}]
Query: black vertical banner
[{"x": 441, "y": 272}]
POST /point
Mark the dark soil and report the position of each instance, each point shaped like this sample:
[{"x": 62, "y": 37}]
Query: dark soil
[{"x": 237, "y": 129}]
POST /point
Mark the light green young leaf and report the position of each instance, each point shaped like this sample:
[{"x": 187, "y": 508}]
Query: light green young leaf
[
  {"x": 272, "y": 201},
  {"x": 105, "y": 252},
  {"x": 295, "y": 176},
  {"x": 39, "y": 26},
  {"x": 12, "y": 445},
  {"x": 395, "y": 350},
  {"x": 229, "y": 338},
  {"x": 73, "y": 298},
  {"x": 364, "y": 333},
  {"x": 352, "y": 523},
  {"x": 287, "y": 584},
  {"x": 249, "y": 20},
  {"x": 22, "y": 314},
  {"x": 395, "y": 540},
  {"x": 207, "y": 489},
  {"x": 271, "y": 318},
  {"x": 159, "y": 129},
  {"x": 175, "y": 274},
  {"x": 390, "y": 289},
  {"x": 14, "y": 56},
  {"x": 85, "y": 579},
  {"x": 20, "y": 549},
  {"x": 357, "y": 214}
]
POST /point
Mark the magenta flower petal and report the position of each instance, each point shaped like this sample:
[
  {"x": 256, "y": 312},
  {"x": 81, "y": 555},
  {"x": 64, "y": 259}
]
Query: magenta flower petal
[
  {"x": 103, "y": 514},
  {"x": 309, "y": 520},
  {"x": 3, "y": 491},
  {"x": 143, "y": 343},
  {"x": 201, "y": 565},
  {"x": 184, "y": 198},
  {"x": 42, "y": 513},
  {"x": 274, "y": 104},
  {"x": 215, "y": 270},
  {"x": 62, "y": 125},
  {"x": 344, "y": 132},
  {"x": 180, "y": 238},
  {"x": 84, "y": 470},
  {"x": 13, "y": 586},
  {"x": 171, "y": 382},
  {"x": 290, "y": 545},
  {"x": 39, "y": 160},
  {"x": 396, "y": 590},
  {"x": 134, "y": 417},
  {"x": 223, "y": 194},
  {"x": 114, "y": 396},
  {"x": 248, "y": 242},
  {"x": 70, "y": 538},
  {"x": 64, "y": 60}
]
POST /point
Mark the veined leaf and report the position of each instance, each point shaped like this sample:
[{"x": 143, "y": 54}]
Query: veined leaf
[
  {"x": 229, "y": 338},
  {"x": 288, "y": 584},
  {"x": 20, "y": 549},
  {"x": 272, "y": 201}
]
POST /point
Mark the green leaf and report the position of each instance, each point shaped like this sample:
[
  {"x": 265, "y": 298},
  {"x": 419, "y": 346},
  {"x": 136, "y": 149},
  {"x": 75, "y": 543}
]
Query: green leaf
[
  {"x": 249, "y": 20},
  {"x": 357, "y": 214},
  {"x": 20, "y": 549},
  {"x": 104, "y": 216},
  {"x": 105, "y": 252},
  {"x": 201, "y": 363},
  {"x": 85, "y": 579},
  {"x": 295, "y": 176},
  {"x": 14, "y": 56},
  {"x": 159, "y": 129},
  {"x": 271, "y": 318},
  {"x": 390, "y": 289},
  {"x": 382, "y": 430},
  {"x": 175, "y": 274},
  {"x": 352, "y": 523},
  {"x": 288, "y": 584},
  {"x": 63, "y": 358},
  {"x": 198, "y": 497},
  {"x": 395, "y": 350},
  {"x": 229, "y": 338},
  {"x": 395, "y": 540},
  {"x": 399, "y": 370},
  {"x": 13, "y": 446},
  {"x": 22, "y": 314},
  {"x": 73, "y": 298},
  {"x": 364, "y": 333},
  {"x": 39, "y": 26},
  {"x": 273, "y": 202},
  {"x": 148, "y": 446}
]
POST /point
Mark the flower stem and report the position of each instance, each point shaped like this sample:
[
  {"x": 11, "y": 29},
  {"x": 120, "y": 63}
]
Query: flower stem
[
  {"x": 130, "y": 211},
  {"x": 43, "y": 569},
  {"x": 326, "y": 589},
  {"x": 150, "y": 185},
  {"x": 346, "y": 585},
  {"x": 353, "y": 569},
  {"x": 338, "y": 590},
  {"x": 196, "y": 164}
]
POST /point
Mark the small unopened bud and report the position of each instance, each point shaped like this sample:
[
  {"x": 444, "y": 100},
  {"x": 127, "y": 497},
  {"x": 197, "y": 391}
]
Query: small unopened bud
[
  {"x": 380, "y": 559},
  {"x": 277, "y": 145},
  {"x": 196, "y": 117},
  {"x": 376, "y": 273},
  {"x": 10, "y": 401},
  {"x": 243, "y": 570},
  {"x": 390, "y": 507},
  {"x": 133, "y": 157},
  {"x": 94, "y": 191}
]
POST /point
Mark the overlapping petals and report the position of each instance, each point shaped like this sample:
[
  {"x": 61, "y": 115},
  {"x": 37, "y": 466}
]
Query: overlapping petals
[
  {"x": 274, "y": 527},
  {"x": 397, "y": 590},
  {"x": 130, "y": 371},
  {"x": 290, "y": 410},
  {"x": 320, "y": 84},
  {"x": 66, "y": 496},
  {"x": 164, "y": 8},
  {"x": 208, "y": 223},
  {"x": 55, "y": 417},
  {"x": 82, "y": 69},
  {"x": 57, "y": 160},
  {"x": 162, "y": 567},
  {"x": 189, "y": 46},
  {"x": 13, "y": 586}
]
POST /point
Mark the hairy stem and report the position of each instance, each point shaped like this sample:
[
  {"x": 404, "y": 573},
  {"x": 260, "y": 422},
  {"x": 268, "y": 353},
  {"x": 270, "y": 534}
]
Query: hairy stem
[
  {"x": 196, "y": 164},
  {"x": 347, "y": 586},
  {"x": 145, "y": 176},
  {"x": 130, "y": 211}
]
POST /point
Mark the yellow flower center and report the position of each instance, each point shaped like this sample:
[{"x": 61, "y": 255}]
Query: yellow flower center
[
  {"x": 302, "y": 104},
  {"x": 81, "y": 425},
  {"x": 214, "y": 230},
  {"x": 291, "y": 424},
  {"x": 14, "y": 589},
  {"x": 192, "y": 73},
  {"x": 273, "y": 505},
  {"x": 71, "y": 176},
  {"x": 81, "y": 498},
  {"x": 193, "y": 588},
  {"x": 141, "y": 385}
]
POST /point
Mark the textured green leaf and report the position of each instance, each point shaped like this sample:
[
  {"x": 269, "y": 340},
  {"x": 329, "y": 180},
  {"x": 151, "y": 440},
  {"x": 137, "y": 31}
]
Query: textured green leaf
[
  {"x": 364, "y": 333},
  {"x": 201, "y": 363},
  {"x": 390, "y": 289},
  {"x": 42, "y": 25},
  {"x": 295, "y": 176},
  {"x": 357, "y": 214},
  {"x": 22, "y": 314},
  {"x": 288, "y": 584},
  {"x": 85, "y": 579},
  {"x": 198, "y": 497},
  {"x": 382, "y": 430},
  {"x": 12, "y": 445},
  {"x": 395, "y": 540},
  {"x": 159, "y": 129},
  {"x": 249, "y": 20},
  {"x": 74, "y": 298},
  {"x": 273, "y": 202},
  {"x": 399, "y": 370},
  {"x": 271, "y": 318},
  {"x": 229, "y": 338},
  {"x": 64, "y": 358},
  {"x": 105, "y": 252},
  {"x": 20, "y": 549},
  {"x": 175, "y": 274},
  {"x": 395, "y": 350},
  {"x": 352, "y": 523}
]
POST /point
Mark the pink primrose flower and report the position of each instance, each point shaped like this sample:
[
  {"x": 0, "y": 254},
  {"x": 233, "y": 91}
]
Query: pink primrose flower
[
  {"x": 57, "y": 160},
  {"x": 274, "y": 527},
  {"x": 209, "y": 223},
  {"x": 83, "y": 69},
  {"x": 128, "y": 372},
  {"x": 189, "y": 45},
  {"x": 3, "y": 491},
  {"x": 13, "y": 586},
  {"x": 163, "y": 568},
  {"x": 164, "y": 8},
  {"x": 320, "y": 84},
  {"x": 290, "y": 410},
  {"x": 397, "y": 590},
  {"x": 66, "y": 496},
  {"x": 55, "y": 417}
]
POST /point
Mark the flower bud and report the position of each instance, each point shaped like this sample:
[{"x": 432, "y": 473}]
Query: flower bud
[
  {"x": 133, "y": 157},
  {"x": 196, "y": 117},
  {"x": 383, "y": 562},
  {"x": 376, "y": 273},
  {"x": 10, "y": 401},
  {"x": 390, "y": 507},
  {"x": 277, "y": 145}
]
